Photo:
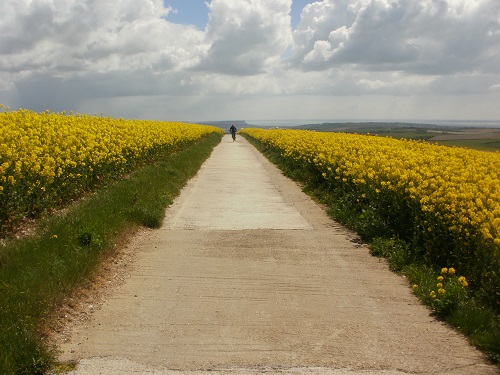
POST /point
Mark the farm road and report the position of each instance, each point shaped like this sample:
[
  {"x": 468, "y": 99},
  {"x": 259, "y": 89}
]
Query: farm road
[{"x": 248, "y": 275}]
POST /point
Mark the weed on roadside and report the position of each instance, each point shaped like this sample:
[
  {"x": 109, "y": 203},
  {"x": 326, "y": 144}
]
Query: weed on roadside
[{"x": 448, "y": 295}]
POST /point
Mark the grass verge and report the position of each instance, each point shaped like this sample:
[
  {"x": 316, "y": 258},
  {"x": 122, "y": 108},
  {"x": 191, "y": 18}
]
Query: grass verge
[
  {"x": 445, "y": 292},
  {"x": 37, "y": 272}
]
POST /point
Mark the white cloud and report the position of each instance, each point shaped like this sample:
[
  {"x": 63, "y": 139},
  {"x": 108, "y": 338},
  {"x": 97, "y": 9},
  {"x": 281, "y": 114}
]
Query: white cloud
[
  {"x": 246, "y": 37},
  {"x": 60, "y": 37},
  {"x": 418, "y": 37}
]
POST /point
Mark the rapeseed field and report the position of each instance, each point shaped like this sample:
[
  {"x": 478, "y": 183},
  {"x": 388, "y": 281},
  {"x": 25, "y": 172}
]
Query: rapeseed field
[{"x": 47, "y": 159}]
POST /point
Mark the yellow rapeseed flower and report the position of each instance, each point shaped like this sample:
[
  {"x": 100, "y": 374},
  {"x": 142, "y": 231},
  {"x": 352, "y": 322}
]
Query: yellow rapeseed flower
[{"x": 462, "y": 280}]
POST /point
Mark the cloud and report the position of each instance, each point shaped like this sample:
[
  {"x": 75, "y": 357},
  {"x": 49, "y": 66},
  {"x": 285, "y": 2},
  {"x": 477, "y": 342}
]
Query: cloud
[
  {"x": 58, "y": 37},
  {"x": 246, "y": 37},
  {"x": 417, "y": 37}
]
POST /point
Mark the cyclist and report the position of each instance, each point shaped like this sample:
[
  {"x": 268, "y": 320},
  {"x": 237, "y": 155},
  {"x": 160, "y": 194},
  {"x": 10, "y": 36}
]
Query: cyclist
[{"x": 233, "y": 131}]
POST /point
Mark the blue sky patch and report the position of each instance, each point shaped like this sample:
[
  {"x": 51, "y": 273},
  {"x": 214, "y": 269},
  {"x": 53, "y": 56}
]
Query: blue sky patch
[
  {"x": 195, "y": 12},
  {"x": 188, "y": 12}
]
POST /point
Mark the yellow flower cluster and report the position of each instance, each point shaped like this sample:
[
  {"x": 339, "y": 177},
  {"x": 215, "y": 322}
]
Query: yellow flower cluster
[
  {"x": 445, "y": 295},
  {"x": 450, "y": 271},
  {"x": 454, "y": 186},
  {"x": 47, "y": 151},
  {"x": 462, "y": 281}
]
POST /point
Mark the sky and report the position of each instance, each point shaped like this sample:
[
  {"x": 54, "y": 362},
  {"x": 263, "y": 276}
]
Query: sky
[{"x": 195, "y": 60}]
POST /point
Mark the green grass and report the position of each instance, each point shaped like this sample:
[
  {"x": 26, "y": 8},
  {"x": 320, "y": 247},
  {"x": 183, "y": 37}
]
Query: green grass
[
  {"x": 469, "y": 313},
  {"x": 37, "y": 272}
]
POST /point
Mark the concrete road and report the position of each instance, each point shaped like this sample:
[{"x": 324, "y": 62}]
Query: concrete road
[{"x": 248, "y": 275}]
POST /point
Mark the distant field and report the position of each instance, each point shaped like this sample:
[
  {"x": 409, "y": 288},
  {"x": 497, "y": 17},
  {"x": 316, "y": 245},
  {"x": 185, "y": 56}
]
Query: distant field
[
  {"x": 480, "y": 139},
  {"x": 478, "y": 144},
  {"x": 485, "y": 139}
]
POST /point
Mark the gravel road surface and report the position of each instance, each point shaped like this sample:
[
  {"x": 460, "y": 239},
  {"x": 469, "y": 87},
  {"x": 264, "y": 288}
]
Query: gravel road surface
[{"x": 248, "y": 275}]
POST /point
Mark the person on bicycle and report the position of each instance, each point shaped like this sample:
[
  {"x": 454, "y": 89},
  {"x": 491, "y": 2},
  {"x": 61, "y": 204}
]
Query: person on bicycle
[{"x": 233, "y": 131}]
